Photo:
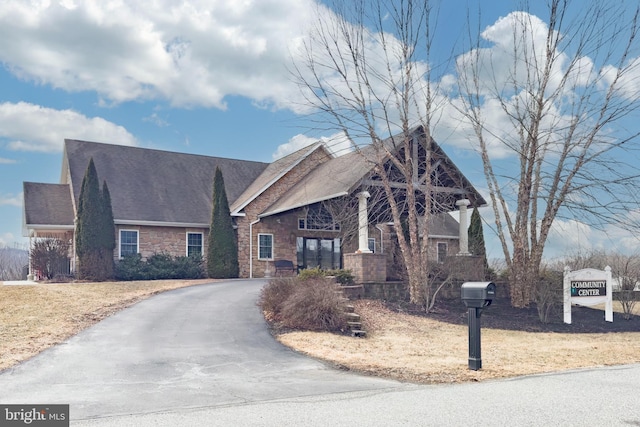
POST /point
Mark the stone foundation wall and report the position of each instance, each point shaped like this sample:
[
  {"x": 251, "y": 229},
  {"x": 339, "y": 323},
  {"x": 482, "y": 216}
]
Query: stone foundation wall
[
  {"x": 386, "y": 291},
  {"x": 468, "y": 268},
  {"x": 366, "y": 268}
]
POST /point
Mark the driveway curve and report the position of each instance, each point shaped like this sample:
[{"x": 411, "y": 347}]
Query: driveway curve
[
  {"x": 196, "y": 347},
  {"x": 202, "y": 356}
]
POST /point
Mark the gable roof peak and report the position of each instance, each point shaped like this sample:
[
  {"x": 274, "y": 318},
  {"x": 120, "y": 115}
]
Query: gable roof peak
[{"x": 274, "y": 172}]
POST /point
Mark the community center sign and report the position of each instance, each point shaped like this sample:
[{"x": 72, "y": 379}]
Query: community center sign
[{"x": 588, "y": 287}]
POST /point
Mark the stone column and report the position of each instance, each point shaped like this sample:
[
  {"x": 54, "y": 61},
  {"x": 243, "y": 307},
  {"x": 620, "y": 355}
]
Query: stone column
[
  {"x": 464, "y": 234},
  {"x": 363, "y": 223}
]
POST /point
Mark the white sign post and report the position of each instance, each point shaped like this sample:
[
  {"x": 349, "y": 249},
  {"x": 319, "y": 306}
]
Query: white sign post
[{"x": 588, "y": 287}]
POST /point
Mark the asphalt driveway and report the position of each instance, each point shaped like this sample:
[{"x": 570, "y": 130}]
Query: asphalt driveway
[
  {"x": 194, "y": 347},
  {"x": 202, "y": 356}
]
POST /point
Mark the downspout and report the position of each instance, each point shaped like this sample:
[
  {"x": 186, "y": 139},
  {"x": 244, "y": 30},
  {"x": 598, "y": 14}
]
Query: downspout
[
  {"x": 251, "y": 247},
  {"x": 381, "y": 238}
]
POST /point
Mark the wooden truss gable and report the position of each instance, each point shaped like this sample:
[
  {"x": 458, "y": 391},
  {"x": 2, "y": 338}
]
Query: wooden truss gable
[{"x": 430, "y": 172}]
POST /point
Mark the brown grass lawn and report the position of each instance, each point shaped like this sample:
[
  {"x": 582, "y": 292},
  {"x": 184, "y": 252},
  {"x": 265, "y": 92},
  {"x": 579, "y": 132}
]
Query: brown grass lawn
[
  {"x": 424, "y": 350},
  {"x": 400, "y": 346}
]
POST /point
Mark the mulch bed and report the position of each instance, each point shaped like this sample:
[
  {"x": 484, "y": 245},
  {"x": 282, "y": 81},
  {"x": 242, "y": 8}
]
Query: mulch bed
[{"x": 500, "y": 315}]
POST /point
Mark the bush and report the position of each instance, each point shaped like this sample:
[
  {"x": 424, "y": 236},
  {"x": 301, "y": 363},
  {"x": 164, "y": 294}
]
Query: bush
[
  {"x": 159, "y": 266},
  {"x": 344, "y": 277},
  {"x": 273, "y": 296},
  {"x": 314, "y": 305},
  {"x": 310, "y": 303},
  {"x": 311, "y": 273},
  {"x": 189, "y": 267},
  {"x": 50, "y": 257},
  {"x": 548, "y": 294},
  {"x": 131, "y": 267}
]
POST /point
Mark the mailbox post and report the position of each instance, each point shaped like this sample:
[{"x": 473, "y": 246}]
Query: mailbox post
[{"x": 476, "y": 296}]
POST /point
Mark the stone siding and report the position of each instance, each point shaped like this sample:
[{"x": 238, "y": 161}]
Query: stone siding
[
  {"x": 387, "y": 291},
  {"x": 284, "y": 227},
  {"x": 169, "y": 240},
  {"x": 366, "y": 268}
]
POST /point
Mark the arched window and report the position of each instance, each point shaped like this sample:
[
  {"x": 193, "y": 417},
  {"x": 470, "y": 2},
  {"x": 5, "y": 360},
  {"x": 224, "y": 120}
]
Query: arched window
[{"x": 318, "y": 218}]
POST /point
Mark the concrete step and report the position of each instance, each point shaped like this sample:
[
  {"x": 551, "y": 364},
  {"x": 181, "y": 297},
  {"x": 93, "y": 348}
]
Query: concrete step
[{"x": 354, "y": 323}]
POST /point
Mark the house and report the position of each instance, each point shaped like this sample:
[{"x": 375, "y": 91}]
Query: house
[{"x": 302, "y": 207}]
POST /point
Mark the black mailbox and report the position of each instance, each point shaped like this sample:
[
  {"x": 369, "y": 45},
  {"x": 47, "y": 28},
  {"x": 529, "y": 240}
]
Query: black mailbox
[{"x": 478, "y": 294}]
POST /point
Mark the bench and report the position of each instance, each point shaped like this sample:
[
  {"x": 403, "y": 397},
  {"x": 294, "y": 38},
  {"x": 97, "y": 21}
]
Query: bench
[{"x": 284, "y": 267}]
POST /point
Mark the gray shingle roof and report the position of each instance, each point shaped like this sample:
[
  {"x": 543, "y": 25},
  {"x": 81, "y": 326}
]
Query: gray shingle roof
[
  {"x": 149, "y": 185},
  {"x": 337, "y": 177},
  {"x": 443, "y": 225},
  {"x": 158, "y": 186},
  {"x": 342, "y": 175},
  {"x": 47, "y": 204}
]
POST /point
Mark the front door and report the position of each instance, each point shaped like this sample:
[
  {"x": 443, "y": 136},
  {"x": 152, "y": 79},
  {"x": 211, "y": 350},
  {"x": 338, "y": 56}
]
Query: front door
[{"x": 314, "y": 252}]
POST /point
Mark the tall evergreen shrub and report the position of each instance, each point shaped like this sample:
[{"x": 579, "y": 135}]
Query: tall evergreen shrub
[
  {"x": 476, "y": 239},
  {"x": 222, "y": 253},
  {"x": 107, "y": 235},
  {"x": 95, "y": 230}
]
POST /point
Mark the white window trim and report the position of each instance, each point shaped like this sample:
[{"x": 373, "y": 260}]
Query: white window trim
[
  {"x": 120, "y": 240},
  {"x": 186, "y": 250},
  {"x": 446, "y": 245},
  {"x": 272, "y": 247},
  {"x": 304, "y": 221}
]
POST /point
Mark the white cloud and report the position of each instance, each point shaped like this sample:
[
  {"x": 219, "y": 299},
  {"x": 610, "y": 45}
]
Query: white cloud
[
  {"x": 4, "y": 161},
  {"x": 30, "y": 127},
  {"x": 156, "y": 120},
  {"x": 510, "y": 70},
  {"x": 517, "y": 34},
  {"x": 338, "y": 144},
  {"x": 192, "y": 53},
  {"x": 11, "y": 200},
  {"x": 628, "y": 85},
  {"x": 295, "y": 143},
  {"x": 570, "y": 236}
]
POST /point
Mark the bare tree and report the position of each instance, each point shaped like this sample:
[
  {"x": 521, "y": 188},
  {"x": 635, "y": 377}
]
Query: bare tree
[
  {"x": 365, "y": 70},
  {"x": 12, "y": 261},
  {"x": 50, "y": 256},
  {"x": 560, "y": 91},
  {"x": 626, "y": 270}
]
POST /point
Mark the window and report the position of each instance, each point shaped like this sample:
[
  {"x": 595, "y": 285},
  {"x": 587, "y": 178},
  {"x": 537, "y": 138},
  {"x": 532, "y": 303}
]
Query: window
[
  {"x": 302, "y": 224},
  {"x": 318, "y": 218},
  {"x": 194, "y": 244},
  {"x": 372, "y": 244},
  {"x": 265, "y": 246},
  {"x": 128, "y": 242},
  {"x": 442, "y": 252}
]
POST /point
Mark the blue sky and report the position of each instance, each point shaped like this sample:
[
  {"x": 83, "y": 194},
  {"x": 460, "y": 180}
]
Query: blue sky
[{"x": 195, "y": 76}]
